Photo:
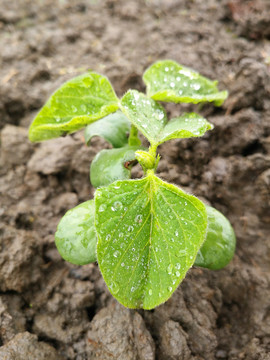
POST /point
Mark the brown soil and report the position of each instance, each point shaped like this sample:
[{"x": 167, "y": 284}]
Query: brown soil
[{"x": 50, "y": 309}]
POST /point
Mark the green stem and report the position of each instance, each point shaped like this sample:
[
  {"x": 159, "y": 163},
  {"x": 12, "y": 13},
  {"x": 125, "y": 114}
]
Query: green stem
[
  {"x": 153, "y": 150},
  {"x": 133, "y": 139}
]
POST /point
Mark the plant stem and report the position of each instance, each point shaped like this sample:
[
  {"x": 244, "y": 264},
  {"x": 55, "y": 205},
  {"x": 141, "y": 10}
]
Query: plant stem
[
  {"x": 133, "y": 139},
  {"x": 153, "y": 150}
]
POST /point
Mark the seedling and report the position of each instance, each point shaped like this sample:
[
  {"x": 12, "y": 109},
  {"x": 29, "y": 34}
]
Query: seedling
[{"x": 145, "y": 234}]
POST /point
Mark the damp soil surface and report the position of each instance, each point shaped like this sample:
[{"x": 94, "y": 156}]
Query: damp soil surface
[{"x": 50, "y": 309}]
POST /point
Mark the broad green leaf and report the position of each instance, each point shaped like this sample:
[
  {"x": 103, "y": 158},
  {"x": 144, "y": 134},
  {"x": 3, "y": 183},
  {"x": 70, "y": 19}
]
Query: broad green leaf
[
  {"x": 147, "y": 115},
  {"x": 114, "y": 128},
  {"x": 75, "y": 237},
  {"x": 149, "y": 233},
  {"x": 150, "y": 118},
  {"x": 75, "y": 104},
  {"x": 219, "y": 246},
  {"x": 169, "y": 81},
  {"x": 111, "y": 165},
  {"x": 185, "y": 126}
]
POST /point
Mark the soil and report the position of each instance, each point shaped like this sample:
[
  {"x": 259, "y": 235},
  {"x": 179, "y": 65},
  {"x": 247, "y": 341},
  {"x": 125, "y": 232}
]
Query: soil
[{"x": 50, "y": 309}]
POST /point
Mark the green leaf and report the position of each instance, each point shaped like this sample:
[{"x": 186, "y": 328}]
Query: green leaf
[
  {"x": 185, "y": 126},
  {"x": 111, "y": 165},
  {"x": 75, "y": 104},
  {"x": 114, "y": 128},
  {"x": 219, "y": 246},
  {"x": 75, "y": 237},
  {"x": 146, "y": 114},
  {"x": 150, "y": 118},
  {"x": 169, "y": 81},
  {"x": 149, "y": 233}
]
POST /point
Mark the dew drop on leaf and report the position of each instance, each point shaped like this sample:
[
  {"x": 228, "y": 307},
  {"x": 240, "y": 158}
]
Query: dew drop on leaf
[
  {"x": 117, "y": 205},
  {"x": 169, "y": 269},
  {"x": 83, "y": 108},
  {"x": 102, "y": 208},
  {"x": 161, "y": 116},
  {"x": 138, "y": 218},
  {"x": 114, "y": 287}
]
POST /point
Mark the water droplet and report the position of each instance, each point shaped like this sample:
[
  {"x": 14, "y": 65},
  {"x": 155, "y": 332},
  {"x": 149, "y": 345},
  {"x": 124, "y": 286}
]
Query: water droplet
[
  {"x": 172, "y": 84},
  {"x": 132, "y": 289},
  {"x": 122, "y": 264},
  {"x": 197, "y": 86},
  {"x": 170, "y": 288},
  {"x": 102, "y": 208},
  {"x": 108, "y": 237},
  {"x": 150, "y": 292},
  {"x": 114, "y": 287},
  {"x": 83, "y": 108},
  {"x": 74, "y": 109},
  {"x": 116, "y": 253},
  {"x": 121, "y": 234},
  {"x": 166, "y": 69},
  {"x": 185, "y": 84},
  {"x": 133, "y": 249},
  {"x": 177, "y": 273},
  {"x": 117, "y": 205},
  {"x": 178, "y": 78},
  {"x": 138, "y": 218},
  {"x": 57, "y": 119},
  {"x": 176, "y": 233},
  {"x": 180, "y": 92},
  {"x": 130, "y": 228},
  {"x": 117, "y": 187},
  {"x": 161, "y": 116},
  {"x": 169, "y": 269},
  {"x": 144, "y": 126},
  {"x": 177, "y": 266}
]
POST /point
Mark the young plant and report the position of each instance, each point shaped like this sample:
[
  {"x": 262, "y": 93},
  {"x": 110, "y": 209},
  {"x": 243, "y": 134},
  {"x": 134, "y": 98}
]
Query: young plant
[{"x": 145, "y": 234}]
